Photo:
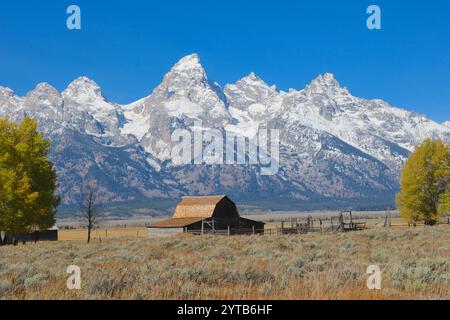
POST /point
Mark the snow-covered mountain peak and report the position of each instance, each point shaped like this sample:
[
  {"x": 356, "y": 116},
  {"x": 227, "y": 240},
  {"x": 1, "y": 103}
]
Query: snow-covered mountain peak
[
  {"x": 446, "y": 123},
  {"x": 252, "y": 77},
  {"x": 9, "y": 100},
  {"x": 187, "y": 68},
  {"x": 6, "y": 92},
  {"x": 44, "y": 88},
  {"x": 248, "y": 91},
  {"x": 185, "y": 95},
  {"x": 189, "y": 62},
  {"x": 325, "y": 84},
  {"x": 83, "y": 82},
  {"x": 328, "y": 76},
  {"x": 83, "y": 89},
  {"x": 253, "y": 80},
  {"x": 186, "y": 90}
]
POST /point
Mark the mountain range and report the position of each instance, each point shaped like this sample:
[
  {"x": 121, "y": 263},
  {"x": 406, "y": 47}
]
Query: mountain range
[{"x": 334, "y": 147}]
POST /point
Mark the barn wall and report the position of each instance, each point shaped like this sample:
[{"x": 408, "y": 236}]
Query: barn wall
[
  {"x": 219, "y": 224},
  {"x": 226, "y": 209},
  {"x": 249, "y": 224},
  {"x": 223, "y": 224}
]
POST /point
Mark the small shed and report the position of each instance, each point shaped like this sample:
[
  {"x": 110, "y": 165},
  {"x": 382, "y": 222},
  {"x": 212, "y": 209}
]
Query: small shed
[
  {"x": 209, "y": 214},
  {"x": 36, "y": 236}
]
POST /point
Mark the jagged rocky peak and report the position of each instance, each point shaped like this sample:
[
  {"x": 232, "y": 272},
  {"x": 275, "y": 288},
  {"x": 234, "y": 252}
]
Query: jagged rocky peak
[
  {"x": 43, "y": 101},
  {"x": 8, "y": 100},
  {"x": 83, "y": 89},
  {"x": 252, "y": 77},
  {"x": 253, "y": 80},
  {"x": 248, "y": 90},
  {"x": 327, "y": 79},
  {"x": 44, "y": 89},
  {"x": 185, "y": 84},
  {"x": 188, "y": 68},
  {"x": 188, "y": 62},
  {"x": 6, "y": 92},
  {"x": 325, "y": 84}
]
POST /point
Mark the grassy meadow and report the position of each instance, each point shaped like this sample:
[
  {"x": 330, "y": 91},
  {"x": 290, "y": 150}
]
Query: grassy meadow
[
  {"x": 415, "y": 264},
  {"x": 102, "y": 234}
]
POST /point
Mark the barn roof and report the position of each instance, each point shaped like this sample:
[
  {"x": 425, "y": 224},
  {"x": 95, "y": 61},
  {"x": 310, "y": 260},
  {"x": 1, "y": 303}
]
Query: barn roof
[
  {"x": 193, "y": 209},
  {"x": 198, "y": 207},
  {"x": 175, "y": 223}
]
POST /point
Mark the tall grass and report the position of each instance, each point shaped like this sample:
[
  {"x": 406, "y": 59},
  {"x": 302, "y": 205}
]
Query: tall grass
[{"x": 415, "y": 264}]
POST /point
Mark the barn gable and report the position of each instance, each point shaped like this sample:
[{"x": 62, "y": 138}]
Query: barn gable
[{"x": 197, "y": 207}]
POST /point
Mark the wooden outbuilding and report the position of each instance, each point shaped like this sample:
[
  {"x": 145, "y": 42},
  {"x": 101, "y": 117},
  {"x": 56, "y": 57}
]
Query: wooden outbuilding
[
  {"x": 210, "y": 214},
  {"x": 36, "y": 236}
]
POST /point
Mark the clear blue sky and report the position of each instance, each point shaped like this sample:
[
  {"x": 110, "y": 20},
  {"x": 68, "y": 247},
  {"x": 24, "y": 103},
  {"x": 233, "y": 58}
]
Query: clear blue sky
[{"x": 127, "y": 46}]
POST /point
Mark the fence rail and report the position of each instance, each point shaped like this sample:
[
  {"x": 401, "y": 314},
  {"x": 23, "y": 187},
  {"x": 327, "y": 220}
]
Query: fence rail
[{"x": 344, "y": 222}]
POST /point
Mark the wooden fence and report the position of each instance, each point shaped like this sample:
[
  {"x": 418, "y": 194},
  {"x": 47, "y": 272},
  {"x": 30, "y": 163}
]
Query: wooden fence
[
  {"x": 292, "y": 226},
  {"x": 343, "y": 222},
  {"x": 226, "y": 232}
]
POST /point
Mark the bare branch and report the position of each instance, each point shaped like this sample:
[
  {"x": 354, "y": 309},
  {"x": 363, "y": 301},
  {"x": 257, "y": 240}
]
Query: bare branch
[{"x": 90, "y": 211}]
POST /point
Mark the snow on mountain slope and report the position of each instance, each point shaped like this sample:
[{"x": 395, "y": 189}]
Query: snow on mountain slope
[
  {"x": 184, "y": 96},
  {"x": 333, "y": 145},
  {"x": 10, "y": 103},
  {"x": 89, "y": 111},
  {"x": 252, "y": 103},
  {"x": 372, "y": 126}
]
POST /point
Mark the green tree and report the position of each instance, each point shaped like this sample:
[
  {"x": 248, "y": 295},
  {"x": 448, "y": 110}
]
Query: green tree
[
  {"x": 425, "y": 191},
  {"x": 27, "y": 179}
]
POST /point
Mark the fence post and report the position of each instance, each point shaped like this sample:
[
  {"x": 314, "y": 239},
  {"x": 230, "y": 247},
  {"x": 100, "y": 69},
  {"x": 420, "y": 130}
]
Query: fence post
[
  {"x": 341, "y": 222},
  {"x": 321, "y": 225},
  {"x": 228, "y": 230},
  {"x": 389, "y": 216},
  {"x": 253, "y": 229},
  {"x": 387, "y": 220},
  {"x": 203, "y": 226}
]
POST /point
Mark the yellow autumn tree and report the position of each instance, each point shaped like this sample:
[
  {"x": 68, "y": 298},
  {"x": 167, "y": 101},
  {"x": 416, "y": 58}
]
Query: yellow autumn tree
[
  {"x": 425, "y": 190},
  {"x": 27, "y": 179}
]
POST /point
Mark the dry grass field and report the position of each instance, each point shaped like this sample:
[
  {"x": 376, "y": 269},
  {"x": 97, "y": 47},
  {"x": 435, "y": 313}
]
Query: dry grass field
[
  {"x": 415, "y": 264},
  {"x": 102, "y": 234}
]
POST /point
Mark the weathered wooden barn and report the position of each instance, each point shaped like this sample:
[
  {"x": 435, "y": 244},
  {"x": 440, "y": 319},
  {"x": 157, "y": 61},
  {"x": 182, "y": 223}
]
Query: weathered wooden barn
[{"x": 210, "y": 214}]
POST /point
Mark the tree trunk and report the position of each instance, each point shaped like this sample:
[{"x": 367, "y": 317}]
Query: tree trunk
[{"x": 89, "y": 235}]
